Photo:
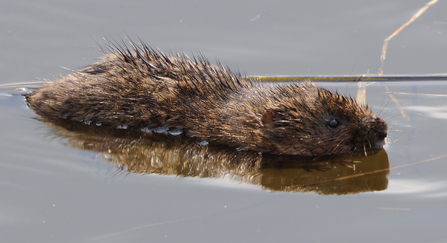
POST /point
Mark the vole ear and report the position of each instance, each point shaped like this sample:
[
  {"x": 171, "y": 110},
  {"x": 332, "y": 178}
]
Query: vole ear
[{"x": 269, "y": 117}]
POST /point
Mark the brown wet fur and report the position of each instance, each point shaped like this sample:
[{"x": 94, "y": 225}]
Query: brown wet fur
[{"x": 140, "y": 88}]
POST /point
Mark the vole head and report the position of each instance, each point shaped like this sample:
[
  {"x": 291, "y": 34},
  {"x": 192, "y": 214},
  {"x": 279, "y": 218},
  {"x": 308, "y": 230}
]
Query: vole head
[{"x": 321, "y": 123}]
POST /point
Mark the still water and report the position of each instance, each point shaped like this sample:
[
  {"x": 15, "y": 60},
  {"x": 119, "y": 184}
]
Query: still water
[{"x": 90, "y": 184}]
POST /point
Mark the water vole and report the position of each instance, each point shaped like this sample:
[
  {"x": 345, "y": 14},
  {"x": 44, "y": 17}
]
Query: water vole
[{"x": 139, "y": 88}]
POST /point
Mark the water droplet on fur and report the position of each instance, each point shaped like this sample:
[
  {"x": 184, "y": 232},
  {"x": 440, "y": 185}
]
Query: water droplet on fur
[
  {"x": 160, "y": 129},
  {"x": 203, "y": 143},
  {"x": 176, "y": 132},
  {"x": 146, "y": 129}
]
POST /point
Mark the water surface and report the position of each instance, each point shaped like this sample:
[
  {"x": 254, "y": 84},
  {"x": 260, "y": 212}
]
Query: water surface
[{"x": 54, "y": 190}]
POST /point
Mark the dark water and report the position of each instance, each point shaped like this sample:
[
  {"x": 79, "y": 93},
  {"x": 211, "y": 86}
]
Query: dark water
[{"x": 62, "y": 185}]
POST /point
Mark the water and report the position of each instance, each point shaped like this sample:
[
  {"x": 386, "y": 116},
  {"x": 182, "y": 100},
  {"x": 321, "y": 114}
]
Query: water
[{"x": 59, "y": 185}]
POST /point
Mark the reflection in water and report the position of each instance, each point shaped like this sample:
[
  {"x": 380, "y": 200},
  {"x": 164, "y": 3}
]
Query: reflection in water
[{"x": 143, "y": 152}]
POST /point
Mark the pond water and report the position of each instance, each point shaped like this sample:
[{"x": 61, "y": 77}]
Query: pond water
[{"x": 60, "y": 184}]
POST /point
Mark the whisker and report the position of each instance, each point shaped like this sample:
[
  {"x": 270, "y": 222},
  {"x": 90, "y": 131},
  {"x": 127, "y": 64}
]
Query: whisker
[{"x": 364, "y": 149}]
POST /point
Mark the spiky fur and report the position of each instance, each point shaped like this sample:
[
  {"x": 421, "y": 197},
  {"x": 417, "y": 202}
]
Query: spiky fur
[{"x": 138, "y": 87}]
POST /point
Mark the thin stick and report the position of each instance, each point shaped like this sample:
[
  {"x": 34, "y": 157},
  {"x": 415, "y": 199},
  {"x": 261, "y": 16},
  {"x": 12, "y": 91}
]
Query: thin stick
[
  {"x": 439, "y": 158},
  {"x": 385, "y": 42},
  {"x": 351, "y": 78},
  {"x": 322, "y": 78}
]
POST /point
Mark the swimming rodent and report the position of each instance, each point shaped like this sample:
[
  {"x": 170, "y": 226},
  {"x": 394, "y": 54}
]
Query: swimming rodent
[{"x": 139, "y": 88}]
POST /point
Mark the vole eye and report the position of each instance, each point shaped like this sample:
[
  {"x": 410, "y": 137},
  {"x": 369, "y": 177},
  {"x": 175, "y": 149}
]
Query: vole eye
[{"x": 333, "y": 123}]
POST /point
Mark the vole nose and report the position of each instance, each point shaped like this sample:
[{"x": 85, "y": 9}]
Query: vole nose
[{"x": 381, "y": 135}]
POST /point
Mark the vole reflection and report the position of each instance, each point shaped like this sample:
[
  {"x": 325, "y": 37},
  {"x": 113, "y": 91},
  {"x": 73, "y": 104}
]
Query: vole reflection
[{"x": 174, "y": 155}]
